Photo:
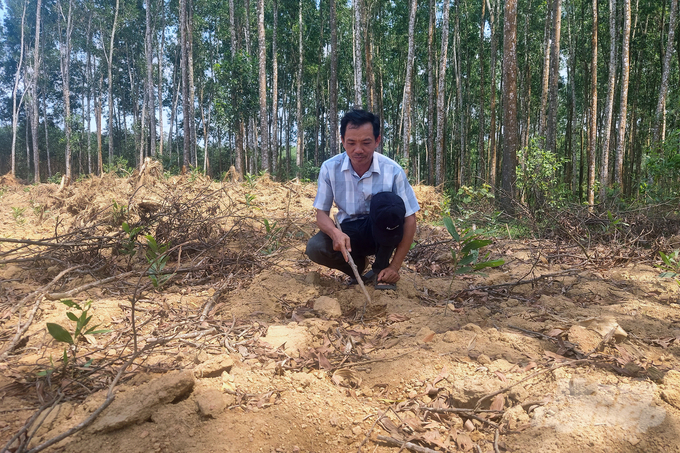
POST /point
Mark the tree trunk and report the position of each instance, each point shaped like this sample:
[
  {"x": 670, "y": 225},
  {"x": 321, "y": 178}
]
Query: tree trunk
[
  {"x": 659, "y": 126},
  {"x": 545, "y": 81},
  {"x": 275, "y": 93},
  {"x": 459, "y": 98},
  {"x": 371, "y": 95},
  {"x": 592, "y": 133},
  {"x": 551, "y": 139},
  {"x": 510, "y": 135},
  {"x": 440, "y": 169},
  {"x": 609, "y": 107},
  {"x": 161, "y": 50},
  {"x": 356, "y": 51},
  {"x": 150, "y": 90},
  {"x": 238, "y": 121},
  {"x": 430, "y": 93},
  {"x": 493, "y": 13},
  {"x": 262, "y": 57},
  {"x": 623, "y": 110},
  {"x": 333, "y": 89},
  {"x": 17, "y": 78},
  {"x": 35, "y": 70},
  {"x": 300, "y": 125},
  {"x": 109, "y": 61},
  {"x": 184, "y": 45},
  {"x": 406, "y": 138},
  {"x": 481, "y": 165}
]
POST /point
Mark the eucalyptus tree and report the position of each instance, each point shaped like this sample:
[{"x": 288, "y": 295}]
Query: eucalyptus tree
[
  {"x": 660, "y": 115},
  {"x": 66, "y": 23},
  {"x": 300, "y": 123},
  {"x": 408, "y": 79},
  {"x": 262, "y": 59},
  {"x": 149, "y": 89},
  {"x": 33, "y": 75},
  {"x": 15, "y": 88},
  {"x": 623, "y": 109},
  {"x": 592, "y": 129},
  {"x": 333, "y": 82},
  {"x": 356, "y": 53},
  {"x": 609, "y": 105},
  {"x": 440, "y": 168},
  {"x": 551, "y": 131},
  {"x": 510, "y": 135}
]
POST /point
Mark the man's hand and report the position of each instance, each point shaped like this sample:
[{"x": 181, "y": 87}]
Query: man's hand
[
  {"x": 341, "y": 243},
  {"x": 388, "y": 275}
]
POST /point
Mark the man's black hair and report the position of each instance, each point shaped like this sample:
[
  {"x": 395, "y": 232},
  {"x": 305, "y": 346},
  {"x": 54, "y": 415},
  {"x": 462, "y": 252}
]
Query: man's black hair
[{"x": 357, "y": 118}]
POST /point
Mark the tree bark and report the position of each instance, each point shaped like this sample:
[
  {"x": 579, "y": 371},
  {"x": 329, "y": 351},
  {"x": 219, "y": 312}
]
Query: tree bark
[
  {"x": 625, "y": 77},
  {"x": 262, "y": 57},
  {"x": 660, "y": 123},
  {"x": 150, "y": 90},
  {"x": 109, "y": 61},
  {"x": 551, "y": 139},
  {"x": 299, "y": 155},
  {"x": 609, "y": 107},
  {"x": 161, "y": 50},
  {"x": 441, "y": 85},
  {"x": 356, "y": 51},
  {"x": 592, "y": 133},
  {"x": 510, "y": 135},
  {"x": 481, "y": 154},
  {"x": 545, "y": 80},
  {"x": 430, "y": 93},
  {"x": 333, "y": 88},
  {"x": 275, "y": 92},
  {"x": 406, "y": 138},
  {"x": 17, "y": 79},
  {"x": 34, "y": 72},
  {"x": 493, "y": 13}
]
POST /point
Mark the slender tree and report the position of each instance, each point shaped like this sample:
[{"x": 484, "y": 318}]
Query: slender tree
[
  {"x": 15, "y": 88},
  {"x": 275, "y": 91},
  {"x": 440, "y": 169},
  {"x": 430, "y": 93},
  {"x": 109, "y": 62},
  {"x": 264, "y": 120},
  {"x": 406, "y": 138},
  {"x": 300, "y": 121},
  {"x": 333, "y": 88},
  {"x": 356, "y": 51},
  {"x": 510, "y": 134},
  {"x": 660, "y": 116},
  {"x": 609, "y": 106},
  {"x": 551, "y": 132},
  {"x": 592, "y": 129},
  {"x": 66, "y": 21},
  {"x": 33, "y": 73},
  {"x": 149, "y": 86},
  {"x": 623, "y": 109}
]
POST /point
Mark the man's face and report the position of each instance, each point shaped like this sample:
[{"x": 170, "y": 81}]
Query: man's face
[{"x": 360, "y": 144}]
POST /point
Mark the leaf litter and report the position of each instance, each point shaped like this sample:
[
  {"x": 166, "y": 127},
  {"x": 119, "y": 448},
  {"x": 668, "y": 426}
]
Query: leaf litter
[{"x": 472, "y": 382}]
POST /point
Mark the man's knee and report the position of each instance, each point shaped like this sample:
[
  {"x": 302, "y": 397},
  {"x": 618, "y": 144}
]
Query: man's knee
[{"x": 315, "y": 248}]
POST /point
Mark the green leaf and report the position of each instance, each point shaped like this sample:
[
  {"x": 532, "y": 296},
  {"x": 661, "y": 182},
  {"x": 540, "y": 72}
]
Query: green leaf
[
  {"x": 70, "y": 304},
  {"x": 59, "y": 333},
  {"x": 668, "y": 274},
  {"x": 464, "y": 270},
  {"x": 492, "y": 263},
  {"x": 475, "y": 245},
  {"x": 665, "y": 259},
  {"x": 72, "y": 316},
  {"x": 97, "y": 332},
  {"x": 450, "y": 227},
  {"x": 467, "y": 260}
]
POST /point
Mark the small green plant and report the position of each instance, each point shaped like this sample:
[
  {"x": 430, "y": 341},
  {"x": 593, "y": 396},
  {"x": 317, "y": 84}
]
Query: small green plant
[
  {"x": 156, "y": 255},
  {"x": 671, "y": 265},
  {"x": 250, "y": 180},
  {"x": 272, "y": 236},
  {"x": 130, "y": 244},
  {"x": 119, "y": 213},
  {"x": 55, "y": 178},
  {"x": 465, "y": 256},
  {"x": 18, "y": 214},
  {"x": 249, "y": 199}
]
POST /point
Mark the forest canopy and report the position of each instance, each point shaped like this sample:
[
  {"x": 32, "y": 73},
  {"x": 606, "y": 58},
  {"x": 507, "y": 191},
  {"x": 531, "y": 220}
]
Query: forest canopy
[{"x": 525, "y": 98}]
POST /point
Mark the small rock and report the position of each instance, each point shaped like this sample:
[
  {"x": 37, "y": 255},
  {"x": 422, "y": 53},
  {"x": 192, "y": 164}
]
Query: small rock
[
  {"x": 586, "y": 339},
  {"x": 671, "y": 388},
  {"x": 515, "y": 416},
  {"x": 313, "y": 278},
  {"x": 137, "y": 405},
  {"x": 211, "y": 403},
  {"x": 483, "y": 359},
  {"x": 214, "y": 367},
  {"x": 450, "y": 337},
  {"x": 473, "y": 328},
  {"x": 328, "y": 306},
  {"x": 425, "y": 335}
]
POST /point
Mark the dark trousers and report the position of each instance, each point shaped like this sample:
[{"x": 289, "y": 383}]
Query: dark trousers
[{"x": 320, "y": 248}]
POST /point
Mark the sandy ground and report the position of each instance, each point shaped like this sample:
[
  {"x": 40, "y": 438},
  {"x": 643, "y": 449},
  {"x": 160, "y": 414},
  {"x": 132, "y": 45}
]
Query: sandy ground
[{"x": 576, "y": 357}]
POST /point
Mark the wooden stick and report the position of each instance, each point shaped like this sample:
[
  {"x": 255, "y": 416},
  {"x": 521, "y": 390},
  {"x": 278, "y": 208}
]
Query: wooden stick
[
  {"x": 356, "y": 274},
  {"x": 408, "y": 445}
]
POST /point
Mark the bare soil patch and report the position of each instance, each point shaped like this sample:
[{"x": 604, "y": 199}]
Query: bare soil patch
[{"x": 551, "y": 352}]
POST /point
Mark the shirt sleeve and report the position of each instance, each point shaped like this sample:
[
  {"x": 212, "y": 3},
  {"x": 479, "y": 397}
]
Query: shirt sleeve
[
  {"x": 324, "y": 194},
  {"x": 405, "y": 191}
]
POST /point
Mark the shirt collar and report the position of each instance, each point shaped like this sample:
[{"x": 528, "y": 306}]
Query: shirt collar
[{"x": 374, "y": 168}]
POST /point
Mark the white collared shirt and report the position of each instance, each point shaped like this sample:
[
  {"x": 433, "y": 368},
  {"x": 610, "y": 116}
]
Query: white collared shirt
[{"x": 352, "y": 193}]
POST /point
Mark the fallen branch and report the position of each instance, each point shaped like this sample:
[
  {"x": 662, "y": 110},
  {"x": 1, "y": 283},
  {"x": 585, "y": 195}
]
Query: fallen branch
[
  {"x": 531, "y": 376},
  {"x": 408, "y": 445},
  {"x": 22, "y": 329},
  {"x": 71, "y": 292}
]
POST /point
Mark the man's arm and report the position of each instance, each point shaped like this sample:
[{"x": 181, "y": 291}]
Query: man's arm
[
  {"x": 341, "y": 242},
  {"x": 391, "y": 273}
]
